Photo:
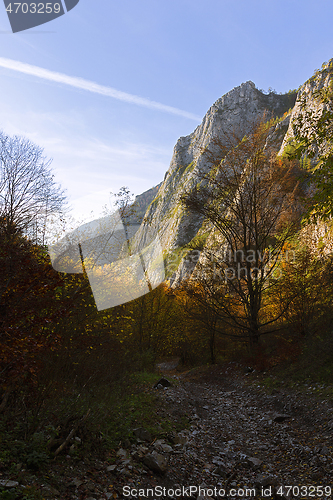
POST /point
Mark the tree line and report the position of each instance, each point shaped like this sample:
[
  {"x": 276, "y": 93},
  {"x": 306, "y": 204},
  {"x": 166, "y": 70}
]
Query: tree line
[{"x": 259, "y": 283}]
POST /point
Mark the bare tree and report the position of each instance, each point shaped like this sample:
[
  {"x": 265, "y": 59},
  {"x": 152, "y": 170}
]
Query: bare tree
[
  {"x": 28, "y": 192},
  {"x": 250, "y": 199}
]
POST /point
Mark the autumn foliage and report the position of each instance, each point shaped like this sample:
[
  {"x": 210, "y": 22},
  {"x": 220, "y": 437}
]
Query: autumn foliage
[
  {"x": 55, "y": 346},
  {"x": 29, "y": 311}
]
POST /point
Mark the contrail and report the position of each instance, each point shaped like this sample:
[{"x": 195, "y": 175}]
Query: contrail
[{"x": 81, "y": 83}]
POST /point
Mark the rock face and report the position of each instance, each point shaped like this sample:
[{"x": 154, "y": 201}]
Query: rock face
[
  {"x": 162, "y": 241},
  {"x": 142, "y": 201},
  {"x": 234, "y": 112},
  {"x": 309, "y": 108},
  {"x": 307, "y": 111}
]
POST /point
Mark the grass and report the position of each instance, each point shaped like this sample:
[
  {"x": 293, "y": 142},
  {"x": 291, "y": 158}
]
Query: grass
[
  {"x": 141, "y": 407},
  {"x": 114, "y": 413},
  {"x": 310, "y": 370}
]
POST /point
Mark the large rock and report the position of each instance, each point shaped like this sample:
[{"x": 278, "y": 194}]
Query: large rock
[
  {"x": 163, "y": 382},
  {"x": 142, "y": 434},
  {"x": 7, "y": 483},
  {"x": 156, "y": 462}
]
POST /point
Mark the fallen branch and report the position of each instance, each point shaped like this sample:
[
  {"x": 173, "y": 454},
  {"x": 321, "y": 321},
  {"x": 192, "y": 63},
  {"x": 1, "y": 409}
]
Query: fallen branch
[{"x": 71, "y": 434}]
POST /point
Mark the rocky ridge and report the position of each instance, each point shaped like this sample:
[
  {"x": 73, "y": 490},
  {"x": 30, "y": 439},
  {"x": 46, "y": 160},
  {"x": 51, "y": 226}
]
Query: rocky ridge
[
  {"x": 309, "y": 108},
  {"x": 159, "y": 212},
  {"x": 235, "y": 111}
]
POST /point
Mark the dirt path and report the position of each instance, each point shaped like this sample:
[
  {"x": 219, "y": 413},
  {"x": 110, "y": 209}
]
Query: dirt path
[
  {"x": 241, "y": 438},
  {"x": 240, "y": 443}
]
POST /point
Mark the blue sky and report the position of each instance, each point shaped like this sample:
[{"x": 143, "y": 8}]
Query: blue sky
[{"x": 181, "y": 54}]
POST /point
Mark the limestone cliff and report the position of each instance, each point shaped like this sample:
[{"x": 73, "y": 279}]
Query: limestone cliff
[
  {"x": 309, "y": 108},
  {"x": 314, "y": 99},
  {"x": 159, "y": 219},
  {"x": 235, "y": 111}
]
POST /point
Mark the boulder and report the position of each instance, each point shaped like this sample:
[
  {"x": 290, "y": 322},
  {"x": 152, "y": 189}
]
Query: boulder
[
  {"x": 142, "y": 434},
  {"x": 163, "y": 382},
  {"x": 156, "y": 462},
  {"x": 254, "y": 462},
  {"x": 6, "y": 483}
]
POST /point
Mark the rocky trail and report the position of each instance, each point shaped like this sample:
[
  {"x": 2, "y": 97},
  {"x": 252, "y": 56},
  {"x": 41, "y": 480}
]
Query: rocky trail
[
  {"x": 242, "y": 439},
  {"x": 241, "y": 442}
]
